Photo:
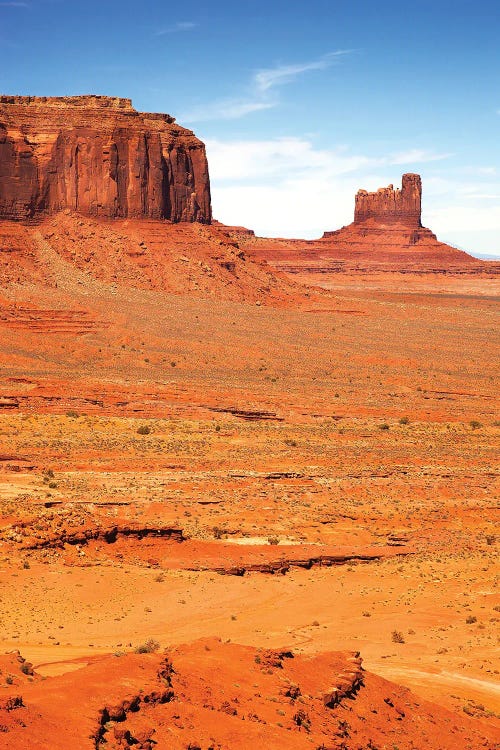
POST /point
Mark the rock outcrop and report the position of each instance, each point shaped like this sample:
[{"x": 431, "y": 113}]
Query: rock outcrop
[
  {"x": 100, "y": 157},
  {"x": 387, "y": 228},
  {"x": 210, "y": 693},
  {"x": 387, "y": 217},
  {"x": 389, "y": 205}
]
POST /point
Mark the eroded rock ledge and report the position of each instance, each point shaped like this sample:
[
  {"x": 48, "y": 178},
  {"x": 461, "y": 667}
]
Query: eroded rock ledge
[
  {"x": 390, "y": 205},
  {"x": 100, "y": 157}
]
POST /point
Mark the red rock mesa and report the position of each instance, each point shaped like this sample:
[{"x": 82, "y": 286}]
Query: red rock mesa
[{"x": 97, "y": 155}]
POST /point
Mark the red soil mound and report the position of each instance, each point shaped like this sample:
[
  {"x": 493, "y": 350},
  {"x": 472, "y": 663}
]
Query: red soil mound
[
  {"x": 214, "y": 695},
  {"x": 72, "y": 252}
]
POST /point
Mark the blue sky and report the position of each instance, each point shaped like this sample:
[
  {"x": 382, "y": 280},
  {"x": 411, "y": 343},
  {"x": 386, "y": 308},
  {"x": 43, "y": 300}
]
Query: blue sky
[{"x": 300, "y": 103}]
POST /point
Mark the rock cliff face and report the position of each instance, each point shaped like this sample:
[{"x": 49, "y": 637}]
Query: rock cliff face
[
  {"x": 100, "y": 157},
  {"x": 388, "y": 205}
]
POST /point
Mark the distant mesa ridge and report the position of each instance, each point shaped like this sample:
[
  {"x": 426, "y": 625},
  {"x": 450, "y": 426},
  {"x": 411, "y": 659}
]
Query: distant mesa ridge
[{"x": 100, "y": 157}]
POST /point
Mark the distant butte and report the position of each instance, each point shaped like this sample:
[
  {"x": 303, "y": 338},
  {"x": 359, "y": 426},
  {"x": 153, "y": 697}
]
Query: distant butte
[
  {"x": 387, "y": 226},
  {"x": 100, "y": 157},
  {"x": 386, "y": 234},
  {"x": 389, "y": 205}
]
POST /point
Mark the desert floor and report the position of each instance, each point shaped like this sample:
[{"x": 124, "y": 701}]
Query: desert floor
[{"x": 323, "y": 475}]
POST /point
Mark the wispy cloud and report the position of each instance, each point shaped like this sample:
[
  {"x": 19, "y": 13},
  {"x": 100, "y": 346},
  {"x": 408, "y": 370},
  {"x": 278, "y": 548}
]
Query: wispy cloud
[
  {"x": 176, "y": 27},
  {"x": 417, "y": 156},
  {"x": 224, "y": 109},
  {"x": 14, "y": 5},
  {"x": 260, "y": 94},
  {"x": 284, "y": 158},
  {"x": 484, "y": 196},
  {"x": 281, "y": 74},
  {"x": 485, "y": 170}
]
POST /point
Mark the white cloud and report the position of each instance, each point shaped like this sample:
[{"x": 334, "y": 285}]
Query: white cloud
[
  {"x": 417, "y": 156},
  {"x": 486, "y": 170},
  {"x": 280, "y": 158},
  {"x": 464, "y": 217},
  {"x": 486, "y": 196},
  {"x": 176, "y": 27},
  {"x": 286, "y": 186},
  {"x": 464, "y": 206},
  {"x": 224, "y": 109}
]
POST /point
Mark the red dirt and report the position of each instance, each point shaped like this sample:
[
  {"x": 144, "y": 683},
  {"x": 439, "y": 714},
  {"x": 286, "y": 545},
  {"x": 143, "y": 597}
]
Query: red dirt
[
  {"x": 172, "y": 409},
  {"x": 210, "y": 694}
]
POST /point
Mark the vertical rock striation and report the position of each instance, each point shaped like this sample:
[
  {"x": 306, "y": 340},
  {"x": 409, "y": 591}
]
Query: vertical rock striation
[
  {"x": 100, "y": 157},
  {"x": 389, "y": 205}
]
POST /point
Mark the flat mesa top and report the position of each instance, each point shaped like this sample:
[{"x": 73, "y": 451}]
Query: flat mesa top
[
  {"x": 54, "y": 107},
  {"x": 86, "y": 100}
]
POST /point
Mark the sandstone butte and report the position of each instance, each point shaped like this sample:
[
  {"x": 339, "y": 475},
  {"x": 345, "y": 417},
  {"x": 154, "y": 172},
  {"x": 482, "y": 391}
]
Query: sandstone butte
[
  {"x": 197, "y": 452},
  {"x": 387, "y": 231},
  {"x": 388, "y": 205},
  {"x": 100, "y": 157},
  {"x": 390, "y": 221}
]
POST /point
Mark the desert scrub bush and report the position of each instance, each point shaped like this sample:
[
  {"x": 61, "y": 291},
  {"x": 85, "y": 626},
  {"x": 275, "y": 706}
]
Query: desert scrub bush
[
  {"x": 471, "y": 619},
  {"x": 149, "y": 647},
  {"x": 404, "y": 420},
  {"x": 397, "y": 636},
  {"x": 474, "y": 424},
  {"x": 143, "y": 429},
  {"x": 72, "y": 413},
  {"x": 383, "y": 426},
  {"x": 273, "y": 540}
]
